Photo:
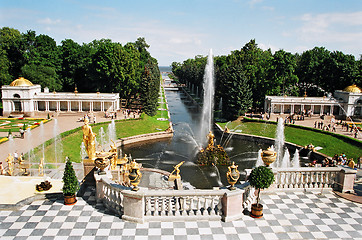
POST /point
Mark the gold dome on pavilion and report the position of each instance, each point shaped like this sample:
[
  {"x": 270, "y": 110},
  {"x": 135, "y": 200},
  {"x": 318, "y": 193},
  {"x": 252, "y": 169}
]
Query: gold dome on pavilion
[
  {"x": 353, "y": 89},
  {"x": 20, "y": 82}
]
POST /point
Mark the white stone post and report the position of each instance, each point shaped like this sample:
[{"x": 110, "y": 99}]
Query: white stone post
[
  {"x": 232, "y": 205},
  {"x": 134, "y": 206},
  {"x": 346, "y": 179}
]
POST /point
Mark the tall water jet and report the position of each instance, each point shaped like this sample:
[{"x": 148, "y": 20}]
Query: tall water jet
[
  {"x": 208, "y": 106},
  {"x": 58, "y": 146},
  {"x": 42, "y": 139},
  {"x": 279, "y": 142},
  {"x": 259, "y": 160},
  {"x": 286, "y": 159},
  {"x": 102, "y": 136},
  {"x": 83, "y": 151},
  {"x": 296, "y": 161},
  {"x": 11, "y": 145},
  {"x": 29, "y": 146},
  {"x": 112, "y": 132}
]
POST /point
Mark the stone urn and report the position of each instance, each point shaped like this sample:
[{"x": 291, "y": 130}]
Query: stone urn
[
  {"x": 268, "y": 156},
  {"x": 135, "y": 176},
  {"x": 102, "y": 162},
  {"x": 232, "y": 175}
]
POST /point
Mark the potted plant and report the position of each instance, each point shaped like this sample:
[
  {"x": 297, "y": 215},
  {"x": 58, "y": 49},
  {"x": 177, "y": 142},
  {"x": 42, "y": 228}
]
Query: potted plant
[
  {"x": 71, "y": 184},
  {"x": 260, "y": 178}
]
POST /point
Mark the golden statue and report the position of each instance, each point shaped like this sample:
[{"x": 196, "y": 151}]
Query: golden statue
[
  {"x": 114, "y": 162},
  {"x": 10, "y": 161},
  {"x": 232, "y": 175},
  {"x": 41, "y": 167},
  {"x": 89, "y": 139},
  {"x": 210, "y": 138},
  {"x": 176, "y": 169}
]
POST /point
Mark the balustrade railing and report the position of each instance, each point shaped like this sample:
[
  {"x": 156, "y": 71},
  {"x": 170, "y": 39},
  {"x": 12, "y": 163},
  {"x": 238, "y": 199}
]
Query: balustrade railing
[
  {"x": 178, "y": 204},
  {"x": 294, "y": 178}
]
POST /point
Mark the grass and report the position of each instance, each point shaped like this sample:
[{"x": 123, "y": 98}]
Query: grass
[
  {"x": 331, "y": 144},
  {"x": 16, "y": 123},
  {"x": 71, "y": 140}
]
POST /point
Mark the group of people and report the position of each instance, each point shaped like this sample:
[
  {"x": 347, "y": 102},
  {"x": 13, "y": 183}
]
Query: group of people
[
  {"x": 340, "y": 159},
  {"x": 325, "y": 127}
]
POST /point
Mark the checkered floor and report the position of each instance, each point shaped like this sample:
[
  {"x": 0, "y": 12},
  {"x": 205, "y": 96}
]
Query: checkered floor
[{"x": 295, "y": 215}]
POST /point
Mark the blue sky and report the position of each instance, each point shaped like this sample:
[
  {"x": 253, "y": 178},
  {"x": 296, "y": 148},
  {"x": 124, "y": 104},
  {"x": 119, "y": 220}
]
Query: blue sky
[{"x": 177, "y": 30}]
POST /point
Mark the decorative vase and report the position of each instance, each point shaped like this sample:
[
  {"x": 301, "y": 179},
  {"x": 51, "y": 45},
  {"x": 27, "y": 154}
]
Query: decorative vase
[
  {"x": 102, "y": 163},
  {"x": 232, "y": 175},
  {"x": 135, "y": 176},
  {"x": 256, "y": 210},
  {"x": 268, "y": 156},
  {"x": 70, "y": 200}
]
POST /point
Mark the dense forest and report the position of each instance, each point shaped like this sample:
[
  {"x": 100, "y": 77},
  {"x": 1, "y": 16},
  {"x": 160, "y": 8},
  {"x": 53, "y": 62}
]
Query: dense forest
[
  {"x": 246, "y": 76},
  {"x": 101, "y": 65}
]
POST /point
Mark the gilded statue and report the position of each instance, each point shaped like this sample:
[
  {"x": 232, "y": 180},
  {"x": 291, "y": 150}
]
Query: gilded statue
[
  {"x": 41, "y": 167},
  {"x": 210, "y": 138},
  {"x": 10, "y": 161},
  {"x": 89, "y": 139},
  {"x": 176, "y": 172}
]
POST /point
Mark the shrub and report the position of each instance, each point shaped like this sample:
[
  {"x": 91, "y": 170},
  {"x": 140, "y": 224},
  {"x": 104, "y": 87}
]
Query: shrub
[
  {"x": 260, "y": 178},
  {"x": 71, "y": 184}
]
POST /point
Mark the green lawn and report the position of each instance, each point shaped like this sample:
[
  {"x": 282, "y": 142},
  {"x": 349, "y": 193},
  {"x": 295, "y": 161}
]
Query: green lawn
[
  {"x": 331, "y": 145},
  {"x": 72, "y": 139},
  {"x": 16, "y": 123}
]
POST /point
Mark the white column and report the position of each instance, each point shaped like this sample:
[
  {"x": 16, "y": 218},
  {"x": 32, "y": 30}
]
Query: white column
[
  {"x": 302, "y": 107},
  {"x": 102, "y": 106},
  {"x": 91, "y": 106},
  {"x": 47, "y": 106},
  {"x": 80, "y": 106},
  {"x": 312, "y": 108},
  {"x": 272, "y": 108},
  {"x": 322, "y": 109},
  {"x": 331, "y": 110},
  {"x": 281, "y": 108},
  {"x": 69, "y": 103},
  {"x": 291, "y": 108},
  {"x": 58, "y": 106}
]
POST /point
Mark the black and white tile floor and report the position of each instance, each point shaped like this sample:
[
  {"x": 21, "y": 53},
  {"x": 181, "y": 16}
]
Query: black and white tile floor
[{"x": 294, "y": 215}]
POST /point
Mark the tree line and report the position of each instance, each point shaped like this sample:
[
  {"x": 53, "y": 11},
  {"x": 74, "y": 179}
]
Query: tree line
[
  {"x": 246, "y": 76},
  {"x": 101, "y": 65}
]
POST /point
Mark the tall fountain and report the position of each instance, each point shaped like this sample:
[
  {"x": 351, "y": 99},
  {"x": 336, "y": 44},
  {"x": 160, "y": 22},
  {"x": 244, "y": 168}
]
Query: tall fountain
[
  {"x": 279, "y": 143},
  {"x": 208, "y": 106}
]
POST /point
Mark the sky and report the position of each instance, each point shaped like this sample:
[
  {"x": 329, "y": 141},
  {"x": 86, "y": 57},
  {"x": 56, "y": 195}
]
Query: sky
[{"x": 177, "y": 30}]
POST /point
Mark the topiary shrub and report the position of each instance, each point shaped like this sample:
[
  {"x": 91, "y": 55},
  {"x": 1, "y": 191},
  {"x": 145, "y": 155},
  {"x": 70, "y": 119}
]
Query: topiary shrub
[
  {"x": 71, "y": 184},
  {"x": 260, "y": 178}
]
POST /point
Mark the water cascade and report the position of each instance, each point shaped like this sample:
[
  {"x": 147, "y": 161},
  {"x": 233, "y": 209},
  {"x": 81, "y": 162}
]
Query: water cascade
[
  {"x": 208, "y": 106},
  {"x": 11, "y": 145}
]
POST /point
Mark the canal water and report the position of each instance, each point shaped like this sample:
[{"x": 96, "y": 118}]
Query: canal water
[{"x": 165, "y": 154}]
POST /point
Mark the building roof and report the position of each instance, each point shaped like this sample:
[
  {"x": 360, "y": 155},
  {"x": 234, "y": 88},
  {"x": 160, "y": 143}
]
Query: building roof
[
  {"x": 20, "y": 82},
  {"x": 353, "y": 89}
]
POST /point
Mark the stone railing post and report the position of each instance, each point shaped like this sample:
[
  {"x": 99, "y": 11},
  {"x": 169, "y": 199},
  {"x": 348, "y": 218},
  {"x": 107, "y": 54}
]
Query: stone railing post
[
  {"x": 232, "y": 205},
  {"x": 346, "y": 179},
  {"x": 134, "y": 206}
]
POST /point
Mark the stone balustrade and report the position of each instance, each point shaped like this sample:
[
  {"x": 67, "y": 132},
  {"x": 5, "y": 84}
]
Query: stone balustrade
[
  {"x": 338, "y": 178},
  {"x": 173, "y": 205}
]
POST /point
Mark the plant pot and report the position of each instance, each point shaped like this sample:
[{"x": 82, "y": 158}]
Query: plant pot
[
  {"x": 256, "y": 210},
  {"x": 70, "y": 200}
]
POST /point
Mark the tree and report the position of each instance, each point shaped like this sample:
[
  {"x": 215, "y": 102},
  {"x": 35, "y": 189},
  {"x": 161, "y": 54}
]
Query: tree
[
  {"x": 237, "y": 92},
  {"x": 150, "y": 87},
  {"x": 71, "y": 184}
]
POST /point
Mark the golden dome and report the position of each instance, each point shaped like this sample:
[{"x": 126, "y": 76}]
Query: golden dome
[
  {"x": 20, "y": 82},
  {"x": 353, "y": 88}
]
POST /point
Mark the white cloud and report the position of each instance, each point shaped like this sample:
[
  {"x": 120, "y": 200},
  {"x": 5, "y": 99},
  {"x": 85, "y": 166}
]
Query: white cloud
[
  {"x": 48, "y": 21},
  {"x": 331, "y": 27}
]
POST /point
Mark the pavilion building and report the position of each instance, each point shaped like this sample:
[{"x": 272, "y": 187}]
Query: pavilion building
[
  {"x": 345, "y": 103},
  {"x": 24, "y": 97}
]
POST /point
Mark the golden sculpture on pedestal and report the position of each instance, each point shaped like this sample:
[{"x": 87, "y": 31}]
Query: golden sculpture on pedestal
[
  {"x": 10, "y": 161},
  {"x": 89, "y": 140},
  {"x": 41, "y": 167},
  {"x": 175, "y": 174},
  {"x": 102, "y": 161},
  {"x": 232, "y": 175},
  {"x": 135, "y": 175},
  {"x": 268, "y": 156},
  {"x": 210, "y": 138}
]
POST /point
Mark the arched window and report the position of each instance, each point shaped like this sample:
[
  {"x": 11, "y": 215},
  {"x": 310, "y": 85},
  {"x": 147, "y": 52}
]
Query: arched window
[{"x": 17, "y": 103}]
